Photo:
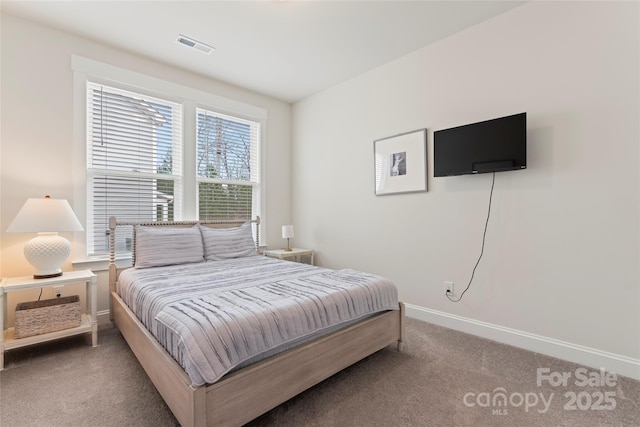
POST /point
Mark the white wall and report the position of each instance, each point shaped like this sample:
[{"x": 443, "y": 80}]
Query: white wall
[
  {"x": 562, "y": 254},
  {"x": 37, "y": 141}
]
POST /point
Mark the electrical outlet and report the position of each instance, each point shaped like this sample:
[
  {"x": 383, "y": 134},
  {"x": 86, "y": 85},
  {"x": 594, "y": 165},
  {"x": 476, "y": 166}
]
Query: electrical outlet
[
  {"x": 448, "y": 288},
  {"x": 57, "y": 291}
]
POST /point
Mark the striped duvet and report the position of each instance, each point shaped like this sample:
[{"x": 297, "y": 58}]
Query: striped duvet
[{"x": 214, "y": 316}]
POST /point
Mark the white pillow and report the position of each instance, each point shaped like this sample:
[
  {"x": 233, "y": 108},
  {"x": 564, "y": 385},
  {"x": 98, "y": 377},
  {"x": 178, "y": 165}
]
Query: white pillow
[
  {"x": 157, "y": 246},
  {"x": 225, "y": 243}
]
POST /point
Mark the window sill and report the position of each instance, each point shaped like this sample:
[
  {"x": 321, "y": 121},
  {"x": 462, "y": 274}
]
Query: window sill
[{"x": 100, "y": 263}]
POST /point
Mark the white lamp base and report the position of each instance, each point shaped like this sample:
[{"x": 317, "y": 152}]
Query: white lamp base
[{"x": 47, "y": 253}]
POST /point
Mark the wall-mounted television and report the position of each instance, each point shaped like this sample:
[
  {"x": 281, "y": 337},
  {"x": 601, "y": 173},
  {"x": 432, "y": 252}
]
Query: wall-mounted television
[{"x": 490, "y": 146}]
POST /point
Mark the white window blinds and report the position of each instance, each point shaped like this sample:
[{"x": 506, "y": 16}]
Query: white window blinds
[
  {"x": 227, "y": 166},
  {"x": 134, "y": 148}
]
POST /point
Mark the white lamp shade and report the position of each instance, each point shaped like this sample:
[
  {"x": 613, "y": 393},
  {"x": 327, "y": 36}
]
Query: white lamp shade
[
  {"x": 47, "y": 217},
  {"x": 287, "y": 231}
]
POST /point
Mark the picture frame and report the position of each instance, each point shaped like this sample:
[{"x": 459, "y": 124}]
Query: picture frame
[{"x": 400, "y": 163}]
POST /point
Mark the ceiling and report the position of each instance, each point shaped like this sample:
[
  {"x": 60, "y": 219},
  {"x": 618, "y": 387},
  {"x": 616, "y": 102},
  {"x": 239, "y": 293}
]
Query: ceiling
[{"x": 285, "y": 49}]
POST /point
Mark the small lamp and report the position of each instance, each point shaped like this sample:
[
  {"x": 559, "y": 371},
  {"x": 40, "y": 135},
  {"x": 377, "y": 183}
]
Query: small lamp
[
  {"x": 46, "y": 217},
  {"x": 287, "y": 233}
]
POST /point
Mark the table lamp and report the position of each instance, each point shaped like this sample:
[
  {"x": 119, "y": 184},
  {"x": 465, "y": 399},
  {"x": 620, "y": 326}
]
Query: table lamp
[
  {"x": 48, "y": 251},
  {"x": 287, "y": 233}
]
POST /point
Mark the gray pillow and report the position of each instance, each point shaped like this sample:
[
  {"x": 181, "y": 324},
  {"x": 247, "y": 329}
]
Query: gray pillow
[
  {"x": 157, "y": 246},
  {"x": 226, "y": 243}
]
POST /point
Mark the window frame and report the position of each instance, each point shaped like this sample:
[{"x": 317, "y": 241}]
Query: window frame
[
  {"x": 85, "y": 69},
  {"x": 254, "y": 181},
  {"x": 96, "y": 173}
]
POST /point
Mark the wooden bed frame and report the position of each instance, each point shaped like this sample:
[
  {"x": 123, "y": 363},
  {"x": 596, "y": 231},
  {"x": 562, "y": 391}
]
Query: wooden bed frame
[{"x": 245, "y": 394}]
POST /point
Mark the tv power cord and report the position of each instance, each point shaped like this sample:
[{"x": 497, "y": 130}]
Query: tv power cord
[{"x": 484, "y": 236}]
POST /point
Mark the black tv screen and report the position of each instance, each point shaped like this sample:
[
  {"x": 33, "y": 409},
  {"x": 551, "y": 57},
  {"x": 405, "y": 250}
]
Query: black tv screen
[{"x": 490, "y": 146}]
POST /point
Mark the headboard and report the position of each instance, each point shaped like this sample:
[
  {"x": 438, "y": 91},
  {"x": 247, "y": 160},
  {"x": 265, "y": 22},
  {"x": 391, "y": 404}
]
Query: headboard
[{"x": 114, "y": 271}]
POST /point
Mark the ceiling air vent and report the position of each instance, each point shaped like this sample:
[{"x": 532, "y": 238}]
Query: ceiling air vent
[{"x": 194, "y": 44}]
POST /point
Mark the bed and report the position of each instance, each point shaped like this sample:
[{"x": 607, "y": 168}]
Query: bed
[{"x": 205, "y": 382}]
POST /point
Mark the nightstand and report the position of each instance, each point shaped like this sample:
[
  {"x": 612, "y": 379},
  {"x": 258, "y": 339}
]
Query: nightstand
[
  {"x": 294, "y": 254},
  {"x": 88, "y": 323}
]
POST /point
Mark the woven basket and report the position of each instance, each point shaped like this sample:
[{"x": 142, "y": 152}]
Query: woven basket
[{"x": 40, "y": 317}]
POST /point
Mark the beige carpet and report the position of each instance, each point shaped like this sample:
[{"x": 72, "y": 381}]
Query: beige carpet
[{"x": 443, "y": 378}]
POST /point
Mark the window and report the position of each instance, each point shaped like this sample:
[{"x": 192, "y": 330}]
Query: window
[
  {"x": 227, "y": 166},
  {"x": 134, "y": 160},
  {"x": 135, "y": 170}
]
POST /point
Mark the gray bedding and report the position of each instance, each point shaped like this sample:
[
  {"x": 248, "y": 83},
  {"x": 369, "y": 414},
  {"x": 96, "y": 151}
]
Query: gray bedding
[{"x": 213, "y": 316}]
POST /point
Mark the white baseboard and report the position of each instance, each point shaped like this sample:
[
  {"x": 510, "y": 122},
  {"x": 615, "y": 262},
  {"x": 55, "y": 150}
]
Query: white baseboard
[
  {"x": 104, "y": 317},
  {"x": 621, "y": 365}
]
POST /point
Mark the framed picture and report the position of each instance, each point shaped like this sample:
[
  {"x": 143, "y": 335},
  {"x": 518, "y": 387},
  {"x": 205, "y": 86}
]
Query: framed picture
[{"x": 401, "y": 163}]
